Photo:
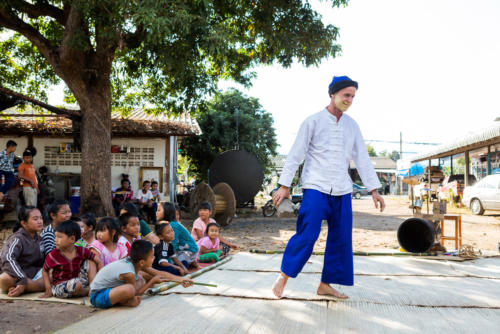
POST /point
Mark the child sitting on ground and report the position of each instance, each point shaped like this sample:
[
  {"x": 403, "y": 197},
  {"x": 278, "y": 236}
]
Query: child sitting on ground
[
  {"x": 87, "y": 225},
  {"x": 145, "y": 231},
  {"x": 129, "y": 226},
  {"x": 106, "y": 245},
  {"x": 58, "y": 212},
  {"x": 164, "y": 251},
  {"x": 120, "y": 283},
  {"x": 200, "y": 226},
  {"x": 21, "y": 259},
  {"x": 210, "y": 247},
  {"x": 185, "y": 248},
  {"x": 71, "y": 267}
]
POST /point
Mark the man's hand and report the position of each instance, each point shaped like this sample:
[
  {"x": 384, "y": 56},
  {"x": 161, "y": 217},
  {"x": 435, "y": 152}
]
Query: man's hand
[
  {"x": 280, "y": 194},
  {"x": 377, "y": 199}
]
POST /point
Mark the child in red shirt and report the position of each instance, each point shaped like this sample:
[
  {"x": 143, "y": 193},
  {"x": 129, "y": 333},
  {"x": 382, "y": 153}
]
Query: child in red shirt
[{"x": 73, "y": 267}]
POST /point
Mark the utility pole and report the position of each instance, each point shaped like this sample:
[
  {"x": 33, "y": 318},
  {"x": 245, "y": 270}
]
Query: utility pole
[{"x": 400, "y": 145}]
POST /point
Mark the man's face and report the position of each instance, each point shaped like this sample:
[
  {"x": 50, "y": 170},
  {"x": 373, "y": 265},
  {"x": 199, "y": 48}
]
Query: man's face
[
  {"x": 343, "y": 98},
  {"x": 11, "y": 149}
]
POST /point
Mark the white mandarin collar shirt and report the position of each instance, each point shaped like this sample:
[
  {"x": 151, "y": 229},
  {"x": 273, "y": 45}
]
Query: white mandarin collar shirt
[{"x": 326, "y": 147}]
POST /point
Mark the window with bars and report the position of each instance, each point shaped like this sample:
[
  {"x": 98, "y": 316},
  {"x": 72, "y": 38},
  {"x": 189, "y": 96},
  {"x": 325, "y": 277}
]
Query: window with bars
[{"x": 136, "y": 158}]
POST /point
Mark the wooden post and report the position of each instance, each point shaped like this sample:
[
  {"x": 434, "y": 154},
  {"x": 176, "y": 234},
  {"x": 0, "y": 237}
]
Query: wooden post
[
  {"x": 489, "y": 161},
  {"x": 167, "y": 164},
  {"x": 451, "y": 164},
  {"x": 467, "y": 181},
  {"x": 429, "y": 181},
  {"x": 171, "y": 169}
]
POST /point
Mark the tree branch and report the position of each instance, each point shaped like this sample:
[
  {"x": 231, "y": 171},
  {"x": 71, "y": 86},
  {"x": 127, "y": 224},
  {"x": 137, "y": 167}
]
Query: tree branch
[
  {"x": 10, "y": 21},
  {"x": 40, "y": 9},
  {"x": 133, "y": 40},
  {"x": 60, "y": 111}
]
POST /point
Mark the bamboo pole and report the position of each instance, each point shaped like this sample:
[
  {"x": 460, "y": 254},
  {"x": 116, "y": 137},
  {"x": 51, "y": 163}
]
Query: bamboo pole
[
  {"x": 170, "y": 285},
  {"x": 260, "y": 251}
]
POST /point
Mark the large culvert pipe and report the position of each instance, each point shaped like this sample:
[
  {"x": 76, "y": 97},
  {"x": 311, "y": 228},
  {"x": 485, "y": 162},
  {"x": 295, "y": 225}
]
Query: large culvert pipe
[{"x": 416, "y": 235}]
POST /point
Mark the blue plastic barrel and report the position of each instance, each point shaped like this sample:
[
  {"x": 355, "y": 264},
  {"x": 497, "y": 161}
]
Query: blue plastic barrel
[{"x": 74, "y": 204}]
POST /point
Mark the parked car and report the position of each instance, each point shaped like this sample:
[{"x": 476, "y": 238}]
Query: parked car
[
  {"x": 484, "y": 195},
  {"x": 453, "y": 187},
  {"x": 358, "y": 191}
]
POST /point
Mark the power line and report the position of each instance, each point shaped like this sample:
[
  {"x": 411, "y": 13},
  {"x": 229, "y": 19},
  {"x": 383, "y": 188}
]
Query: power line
[{"x": 397, "y": 142}]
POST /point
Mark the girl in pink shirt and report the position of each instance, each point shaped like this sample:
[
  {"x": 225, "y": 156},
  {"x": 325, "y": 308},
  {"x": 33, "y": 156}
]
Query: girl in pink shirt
[
  {"x": 200, "y": 226},
  {"x": 106, "y": 245},
  {"x": 210, "y": 248}
]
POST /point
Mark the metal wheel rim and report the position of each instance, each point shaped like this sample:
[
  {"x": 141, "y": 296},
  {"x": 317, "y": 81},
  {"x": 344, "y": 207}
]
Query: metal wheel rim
[
  {"x": 475, "y": 206},
  {"x": 268, "y": 210}
]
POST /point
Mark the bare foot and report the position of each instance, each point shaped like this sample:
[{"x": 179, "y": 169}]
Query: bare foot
[
  {"x": 326, "y": 290},
  {"x": 133, "y": 302},
  {"x": 279, "y": 285},
  {"x": 16, "y": 291}
]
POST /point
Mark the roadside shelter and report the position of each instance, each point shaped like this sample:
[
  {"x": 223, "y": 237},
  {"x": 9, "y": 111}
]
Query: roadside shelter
[{"x": 474, "y": 153}]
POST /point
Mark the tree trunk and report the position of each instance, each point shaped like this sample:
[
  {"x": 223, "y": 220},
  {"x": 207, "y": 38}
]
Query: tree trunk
[{"x": 95, "y": 190}]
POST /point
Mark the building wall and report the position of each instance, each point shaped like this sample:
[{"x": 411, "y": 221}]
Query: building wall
[
  {"x": 22, "y": 143},
  {"x": 147, "y": 152}
]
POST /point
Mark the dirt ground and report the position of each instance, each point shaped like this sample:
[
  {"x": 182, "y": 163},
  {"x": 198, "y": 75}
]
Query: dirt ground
[
  {"x": 23, "y": 317},
  {"x": 372, "y": 231}
]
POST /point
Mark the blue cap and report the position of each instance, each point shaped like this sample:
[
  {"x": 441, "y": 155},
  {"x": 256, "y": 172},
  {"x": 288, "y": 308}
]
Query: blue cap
[{"x": 339, "y": 83}]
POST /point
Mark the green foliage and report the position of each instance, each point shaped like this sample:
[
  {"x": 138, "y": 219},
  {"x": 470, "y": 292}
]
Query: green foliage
[
  {"x": 371, "y": 150},
  {"x": 169, "y": 54},
  {"x": 23, "y": 68},
  {"x": 218, "y": 123},
  {"x": 395, "y": 156}
]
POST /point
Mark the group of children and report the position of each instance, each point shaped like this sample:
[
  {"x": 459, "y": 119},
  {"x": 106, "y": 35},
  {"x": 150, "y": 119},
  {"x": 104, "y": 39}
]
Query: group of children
[{"x": 108, "y": 259}]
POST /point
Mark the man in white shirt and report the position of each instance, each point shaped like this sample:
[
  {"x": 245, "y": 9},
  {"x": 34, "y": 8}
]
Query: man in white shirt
[
  {"x": 326, "y": 142},
  {"x": 145, "y": 200}
]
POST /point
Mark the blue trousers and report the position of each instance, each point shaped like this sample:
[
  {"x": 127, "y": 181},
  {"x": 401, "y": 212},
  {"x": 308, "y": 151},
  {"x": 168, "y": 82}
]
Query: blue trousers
[{"x": 338, "y": 263}]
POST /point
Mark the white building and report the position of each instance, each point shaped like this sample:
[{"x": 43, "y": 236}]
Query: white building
[{"x": 143, "y": 146}]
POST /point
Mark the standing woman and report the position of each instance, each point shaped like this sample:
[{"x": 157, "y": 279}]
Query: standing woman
[{"x": 185, "y": 247}]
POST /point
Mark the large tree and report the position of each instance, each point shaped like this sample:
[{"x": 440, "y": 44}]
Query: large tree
[
  {"x": 136, "y": 53},
  {"x": 255, "y": 132}
]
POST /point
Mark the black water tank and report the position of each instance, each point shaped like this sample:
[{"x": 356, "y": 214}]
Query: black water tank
[{"x": 416, "y": 235}]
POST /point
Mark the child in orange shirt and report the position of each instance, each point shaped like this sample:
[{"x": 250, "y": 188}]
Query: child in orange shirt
[{"x": 27, "y": 174}]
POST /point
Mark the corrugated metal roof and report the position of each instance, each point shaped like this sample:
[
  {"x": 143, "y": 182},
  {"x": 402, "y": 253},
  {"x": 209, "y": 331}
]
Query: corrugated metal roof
[{"x": 471, "y": 138}]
